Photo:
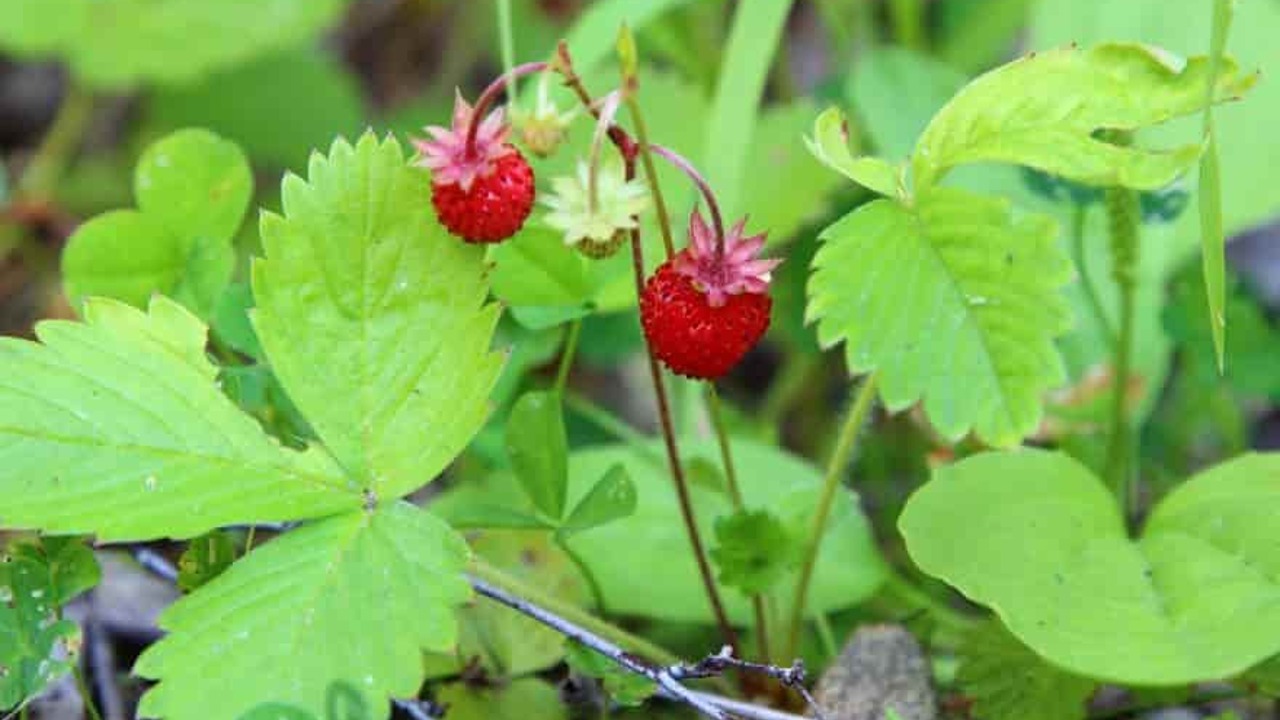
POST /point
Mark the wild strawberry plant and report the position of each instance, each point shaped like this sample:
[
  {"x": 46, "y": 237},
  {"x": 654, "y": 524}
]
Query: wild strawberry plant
[{"x": 365, "y": 356}]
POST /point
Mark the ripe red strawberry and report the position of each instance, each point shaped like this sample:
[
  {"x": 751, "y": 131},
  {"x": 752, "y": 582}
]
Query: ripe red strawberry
[
  {"x": 496, "y": 205},
  {"x": 481, "y": 186},
  {"x": 703, "y": 310}
]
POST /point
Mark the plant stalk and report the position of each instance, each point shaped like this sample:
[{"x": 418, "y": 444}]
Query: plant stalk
[
  {"x": 686, "y": 167},
  {"x": 1124, "y": 218},
  {"x": 735, "y": 495},
  {"x": 567, "y": 355},
  {"x": 490, "y": 96},
  {"x": 1078, "y": 217},
  {"x": 630, "y": 86},
  {"x": 831, "y": 482},
  {"x": 673, "y": 454}
]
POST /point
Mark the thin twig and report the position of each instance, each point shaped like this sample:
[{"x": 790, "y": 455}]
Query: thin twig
[
  {"x": 715, "y": 665},
  {"x": 419, "y": 709},
  {"x": 659, "y": 675}
]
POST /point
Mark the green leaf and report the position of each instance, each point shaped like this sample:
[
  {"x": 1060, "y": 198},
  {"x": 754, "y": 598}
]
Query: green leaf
[
  {"x": 612, "y": 498},
  {"x": 115, "y": 426},
  {"x": 744, "y": 67},
  {"x": 1039, "y": 539},
  {"x": 978, "y": 33},
  {"x": 192, "y": 188},
  {"x": 1062, "y": 97},
  {"x": 642, "y": 562},
  {"x": 1212, "y": 239},
  {"x": 954, "y": 301},
  {"x": 205, "y": 558},
  {"x": 71, "y": 565},
  {"x": 625, "y": 687},
  {"x": 538, "y": 450},
  {"x": 895, "y": 92},
  {"x": 830, "y": 144},
  {"x": 355, "y": 598},
  {"x": 374, "y": 317},
  {"x": 753, "y": 551},
  {"x": 1007, "y": 681},
  {"x": 114, "y": 44},
  {"x": 305, "y": 84},
  {"x": 592, "y": 37},
  {"x": 30, "y": 632},
  {"x": 527, "y": 699}
]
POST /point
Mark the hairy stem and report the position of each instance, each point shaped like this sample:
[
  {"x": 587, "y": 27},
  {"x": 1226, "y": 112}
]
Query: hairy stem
[
  {"x": 567, "y": 355},
  {"x": 686, "y": 167},
  {"x": 716, "y": 415},
  {"x": 831, "y": 482},
  {"x": 608, "y": 111},
  {"x": 1124, "y": 217},
  {"x": 673, "y": 453},
  {"x": 46, "y": 167}
]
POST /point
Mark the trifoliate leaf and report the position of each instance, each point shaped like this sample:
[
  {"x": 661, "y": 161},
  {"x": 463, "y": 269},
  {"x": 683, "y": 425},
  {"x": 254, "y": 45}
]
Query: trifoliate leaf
[
  {"x": 71, "y": 565},
  {"x": 1039, "y": 539},
  {"x": 118, "y": 43},
  {"x": 954, "y": 301},
  {"x": 192, "y": 189},
  {"x": 30, "y": 633},
  {"x": 1043, "y": 110},
  {"x": 115, "y": 426},
  {"x": 526, "y": 699},
  {"x": 1007, "y": 681},
  {"x": 625, "y": 687},
  {"x": 612, "y": 498},
  {"x": 538, "y": 450},
  {"x": 753, "y": 550},
  {"x": 205, "y": 558},
  {"x": 374, "y": 317},
  {"x": 353, "y": 599}
]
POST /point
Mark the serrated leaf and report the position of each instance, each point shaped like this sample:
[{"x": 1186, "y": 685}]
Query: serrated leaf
[
  {"x": 114, "y": 44},
  {"x": 205, "y": 558},
  {"x": 954, "y": 302},
  {"x": 374, "y": 317},
  {"x": 1039, "y": 539},
  {"x": 625, "y": 687},
  {"x": 30, "y": 632},
  {"x": 830, "y": 144},
  {"x": 527, "y": 699},
  {"x": 642, "y": 562},
  {"x": 1043, "y": 110},
  {"x": 71, "y": 565},
  {"x": 306, "y": 84},
  {"x": 1007, "y": 681},
  {"x": 115, "y": 426},
  {"x": 355, "y": 598},
  {"x": 192, "y": 189},
  {"x": 538, "y": 450},
  {"x": 612, "y": 498},
  {"x": 753, "y": 551}
]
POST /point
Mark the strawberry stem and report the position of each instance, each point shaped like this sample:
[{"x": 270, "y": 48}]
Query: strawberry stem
[
  {"x": 673, "y": 453},
  {"x": 687, "y": 168},
  {"x": 490, "y": 95}
]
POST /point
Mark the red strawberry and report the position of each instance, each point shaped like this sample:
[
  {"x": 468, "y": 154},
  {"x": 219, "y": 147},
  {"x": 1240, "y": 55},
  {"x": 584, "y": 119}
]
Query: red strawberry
[
  {"x": 494, "y": 208},
  {"x": 704, "y": 309},
  {"x": 481, "y": 186}
]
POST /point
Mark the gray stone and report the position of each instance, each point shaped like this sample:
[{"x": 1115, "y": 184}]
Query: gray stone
[{"x": 882, "y": 667}]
